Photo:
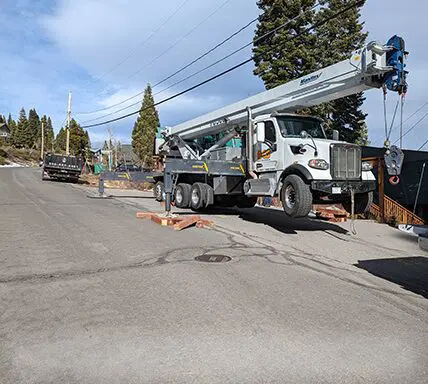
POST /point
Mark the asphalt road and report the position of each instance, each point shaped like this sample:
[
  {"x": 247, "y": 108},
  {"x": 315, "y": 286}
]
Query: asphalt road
[{"x": 90, "y": 294}]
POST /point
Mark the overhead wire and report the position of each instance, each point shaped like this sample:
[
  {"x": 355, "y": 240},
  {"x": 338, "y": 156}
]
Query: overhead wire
[
  {"x": 423, "y": 145},
  {"x": 173, "y": 45},
  {"x": 405, "y": 121},
  {"x": 176, "y": 72},
  {"x": 317, "y": 24},
  {"x": 141, "y": 44},
  {"x": 207, "y": 67},
  {"x": 413, "y": 126}
]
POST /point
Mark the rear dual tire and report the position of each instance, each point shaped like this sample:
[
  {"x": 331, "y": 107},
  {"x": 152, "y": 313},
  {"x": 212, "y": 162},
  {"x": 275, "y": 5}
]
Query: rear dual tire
[{"x": 182, "y": 195}]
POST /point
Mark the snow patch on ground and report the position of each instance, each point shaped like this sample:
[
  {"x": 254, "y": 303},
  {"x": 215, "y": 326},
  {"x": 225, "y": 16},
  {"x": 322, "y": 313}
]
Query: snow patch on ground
[{"x": 13, "y": 165}]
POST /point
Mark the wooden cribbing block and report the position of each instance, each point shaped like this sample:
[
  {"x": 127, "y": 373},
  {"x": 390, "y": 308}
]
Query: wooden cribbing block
[
  {"x": 205, "y": 224},
  {"x": 145, "y": 215},
  {"x": 186, "y": 223}
]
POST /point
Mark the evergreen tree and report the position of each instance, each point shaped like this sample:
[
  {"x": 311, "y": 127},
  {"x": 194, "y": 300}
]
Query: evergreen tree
[
  {"x": 33, "y": 135},
  {"x": 282, "y": 58},
  {"x": 48, "y": 132},
  {"x": 11, "y": 124},
  {"x": 79, "y": 139},
  {"x": 19, "y": 137},
  {"x": 144, "y": 132},
  {"x": 2, "y": 120},
  {"x": 60, "y": 141},
  {"x": 12, "y": 127},
  {"x": 337, "y": 39}
]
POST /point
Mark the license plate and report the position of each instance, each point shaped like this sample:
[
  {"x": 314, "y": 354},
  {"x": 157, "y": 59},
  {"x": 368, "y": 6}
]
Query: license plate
[{"x": 337, "y": 190}]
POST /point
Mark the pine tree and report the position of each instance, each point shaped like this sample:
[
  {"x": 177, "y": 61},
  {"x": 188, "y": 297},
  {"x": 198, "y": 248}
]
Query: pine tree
[
  {"x": 282, "y": 58},
  {"x": 33, "y": 132},
  {"x": 144, "y": 132},
  {"x": 2, "y": 120},
  {"x": 19, "y": 134},
  {"x": 12, "y": 127},
  {"x": 337, "y": 39},
  {"x": 60, "y": 141},
  {"x": 79, "y": 139},
  {"x": 49, "y": 134},
  {"x": 11, "y": 124}
]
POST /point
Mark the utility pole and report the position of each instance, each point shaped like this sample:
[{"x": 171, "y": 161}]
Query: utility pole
[
  {"x": 42, "y": 149},
  {"x": 67, "y": 145}
]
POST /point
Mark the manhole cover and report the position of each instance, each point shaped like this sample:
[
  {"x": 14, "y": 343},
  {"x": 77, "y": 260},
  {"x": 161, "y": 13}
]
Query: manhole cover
[{"x": 213, "y": 258}]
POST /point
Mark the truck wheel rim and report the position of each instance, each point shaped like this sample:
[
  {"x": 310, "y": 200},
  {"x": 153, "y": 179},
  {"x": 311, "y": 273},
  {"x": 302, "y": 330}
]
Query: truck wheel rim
[
  {"x": 158, "y": 191},
  {"x": 178, "y": 197},
  {"x": 195, "y": 197},
  {"x": 290, "y": 196}
]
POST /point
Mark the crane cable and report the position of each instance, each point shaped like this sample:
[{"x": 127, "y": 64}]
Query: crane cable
[{"x": 320, "y": 23}]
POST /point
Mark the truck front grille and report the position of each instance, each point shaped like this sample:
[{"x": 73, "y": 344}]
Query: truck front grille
[{"x": 345, "y": 162}]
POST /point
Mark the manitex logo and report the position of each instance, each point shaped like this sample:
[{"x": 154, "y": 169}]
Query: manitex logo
[{"x": 310, "y": 79}]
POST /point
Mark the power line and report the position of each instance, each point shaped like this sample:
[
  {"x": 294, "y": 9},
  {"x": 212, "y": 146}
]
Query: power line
[
  {"x": 133, "y": 50},
  {"x": 414, "y": 126},
  {"x": 176, "y": 72},
  {"x": 181, "y": 39},
  {"x": 413, "y": 114},
  {"x": 205, "y": 68},
  {"x": 176, "y": 43},
  {"x": 423, "y": 145},
  {"x": 320, "y": 23}
]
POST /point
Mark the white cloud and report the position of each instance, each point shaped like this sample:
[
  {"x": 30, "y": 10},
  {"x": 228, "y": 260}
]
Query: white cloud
[{"x": 50, "y": 47}]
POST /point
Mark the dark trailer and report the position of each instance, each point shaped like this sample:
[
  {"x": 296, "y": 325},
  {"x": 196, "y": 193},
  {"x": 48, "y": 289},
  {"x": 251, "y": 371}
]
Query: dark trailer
[{"x": 62, "y": 167}]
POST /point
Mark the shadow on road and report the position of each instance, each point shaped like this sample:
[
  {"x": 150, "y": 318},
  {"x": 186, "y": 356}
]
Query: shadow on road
[
  {"x": 275, "y": 219},
  {"x": 411, "y": 273},
  {"x": 281, "y": 222}
]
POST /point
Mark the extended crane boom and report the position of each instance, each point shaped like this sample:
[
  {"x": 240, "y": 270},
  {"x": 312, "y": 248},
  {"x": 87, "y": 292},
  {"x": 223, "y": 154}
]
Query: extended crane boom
[{"x": 370, "y": 67}]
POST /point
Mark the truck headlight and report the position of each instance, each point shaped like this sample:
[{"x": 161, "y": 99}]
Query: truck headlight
[
  {"x": 366, "y": 167},
  {"x": 318, "y": 164}
]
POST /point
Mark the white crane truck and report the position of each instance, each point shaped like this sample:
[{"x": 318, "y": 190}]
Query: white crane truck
[{"x": 281, "y": 153}]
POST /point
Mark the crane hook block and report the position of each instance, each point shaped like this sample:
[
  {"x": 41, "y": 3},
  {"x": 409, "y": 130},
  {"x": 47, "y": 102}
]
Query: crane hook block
[
  {"x": 396, "y": 80},
  {"x": 394, "y": 158}
]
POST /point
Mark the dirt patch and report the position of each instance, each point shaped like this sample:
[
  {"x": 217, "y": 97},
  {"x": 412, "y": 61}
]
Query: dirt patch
[
  {"x": 22, "y": 156},
  {"x": 92, "y": 180}
]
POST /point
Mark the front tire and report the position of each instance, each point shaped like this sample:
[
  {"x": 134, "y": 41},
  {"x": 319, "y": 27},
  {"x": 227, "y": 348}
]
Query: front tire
[{"x": 296, "y": 197}]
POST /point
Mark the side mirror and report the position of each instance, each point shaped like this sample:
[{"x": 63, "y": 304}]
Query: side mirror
[
  {"x": 335, "y": 135},
  {"x": 260, "y": 131},
  {"x": 304, "y": 134}
]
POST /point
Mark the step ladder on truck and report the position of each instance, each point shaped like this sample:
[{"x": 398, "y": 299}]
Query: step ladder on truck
[{"x": 281, "y": 153}]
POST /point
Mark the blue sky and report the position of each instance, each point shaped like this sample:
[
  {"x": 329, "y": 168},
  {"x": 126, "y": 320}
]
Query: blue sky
[{"x": 48, "y": 47}]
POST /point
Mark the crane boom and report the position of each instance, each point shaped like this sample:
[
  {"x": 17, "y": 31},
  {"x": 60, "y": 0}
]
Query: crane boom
[{"x": 370, "y": 67}]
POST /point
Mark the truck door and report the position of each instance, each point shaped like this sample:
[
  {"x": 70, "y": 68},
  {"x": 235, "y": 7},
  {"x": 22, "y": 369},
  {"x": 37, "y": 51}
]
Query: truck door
[{"x": 266, "y": 150}]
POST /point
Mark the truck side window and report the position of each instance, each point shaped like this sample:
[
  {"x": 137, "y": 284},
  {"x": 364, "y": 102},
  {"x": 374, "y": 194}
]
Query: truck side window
[{"x": 270, "y": 134}]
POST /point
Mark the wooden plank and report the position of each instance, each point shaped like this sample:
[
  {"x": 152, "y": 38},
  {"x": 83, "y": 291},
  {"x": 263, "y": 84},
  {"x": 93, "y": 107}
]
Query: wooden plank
[
  {"x": 186, "y": 223},
  {"x": 145, "y": 215}
]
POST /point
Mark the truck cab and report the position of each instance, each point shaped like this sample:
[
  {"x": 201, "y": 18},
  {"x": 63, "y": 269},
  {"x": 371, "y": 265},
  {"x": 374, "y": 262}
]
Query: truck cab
[{"x": 292, "y": 158}]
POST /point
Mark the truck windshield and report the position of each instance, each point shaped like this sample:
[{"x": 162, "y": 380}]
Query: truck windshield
[{"x": 294, "y": 126}]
